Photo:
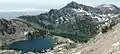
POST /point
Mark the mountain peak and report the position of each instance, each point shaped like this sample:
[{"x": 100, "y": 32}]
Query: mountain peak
[
  {"x": 73, "y": 4},
  {"x": 108, "y": 7}
]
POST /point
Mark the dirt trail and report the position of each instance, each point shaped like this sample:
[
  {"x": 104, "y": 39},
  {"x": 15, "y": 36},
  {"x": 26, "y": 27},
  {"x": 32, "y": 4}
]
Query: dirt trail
[{"x": 107, "y": 43}]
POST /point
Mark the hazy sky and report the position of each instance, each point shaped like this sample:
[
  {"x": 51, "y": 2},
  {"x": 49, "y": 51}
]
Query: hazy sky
[{"x": 44, "y": 5}]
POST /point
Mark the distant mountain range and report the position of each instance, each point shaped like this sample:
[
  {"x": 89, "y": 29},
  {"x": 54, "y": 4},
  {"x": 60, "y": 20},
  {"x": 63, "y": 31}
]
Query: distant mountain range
[
  {"x": 108, "y": 7},
  {"x": 11, "y": 15}
]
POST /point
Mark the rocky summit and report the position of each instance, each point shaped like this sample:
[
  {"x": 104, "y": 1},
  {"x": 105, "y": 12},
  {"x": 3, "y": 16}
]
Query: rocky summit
[{"x": 74, "y": 29}]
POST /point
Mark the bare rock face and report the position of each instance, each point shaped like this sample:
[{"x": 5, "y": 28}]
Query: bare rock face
[
  {"x": 12, "y": 30},
  {"x": 108, "y": 7}
]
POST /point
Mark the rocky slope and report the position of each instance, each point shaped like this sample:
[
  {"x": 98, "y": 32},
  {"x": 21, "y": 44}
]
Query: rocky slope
[
  {"x": 107, "y": 43},
  {"x": 108, "y": 8},
  {"x": 12, "y": 30}
]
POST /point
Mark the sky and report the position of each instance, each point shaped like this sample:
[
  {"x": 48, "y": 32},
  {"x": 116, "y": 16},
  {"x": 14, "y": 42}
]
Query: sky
[{"x": 46, "y": 5}]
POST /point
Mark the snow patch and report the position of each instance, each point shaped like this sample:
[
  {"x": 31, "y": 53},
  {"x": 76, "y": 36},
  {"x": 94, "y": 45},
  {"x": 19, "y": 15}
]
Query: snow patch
[
  {"x": 62, "y": 18},
  {"x": 81, "y": 10},
  {"x": 103, "y": 18},
  {"x": 116, "y": 44},
  {"x": 106, "y": 19},
  {"x": 111, "y": 8},
  {"x": 116, "y": 15},
  {"x": 109, "y": 14},
  {"x": 78, "y": 52},
  {"x": 67, "y": 19},
  {"x": 107, "y": 5},
  {"x": 56, "y": 20},
  {"x": 99, "y": 19},
  {"x": 25, "y": 33},
  {"x": 88, "y": 13},
  {"x": 70, "y": 41}
]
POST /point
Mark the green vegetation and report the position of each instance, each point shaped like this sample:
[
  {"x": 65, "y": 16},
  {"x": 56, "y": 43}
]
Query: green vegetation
[
  {"x": 71, "y": 31},
  {"x": 76, "y": 38}
]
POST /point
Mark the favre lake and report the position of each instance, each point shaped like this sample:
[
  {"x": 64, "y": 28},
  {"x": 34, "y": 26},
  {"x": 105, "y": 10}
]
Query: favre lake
[{"x": 36, "y": 45}]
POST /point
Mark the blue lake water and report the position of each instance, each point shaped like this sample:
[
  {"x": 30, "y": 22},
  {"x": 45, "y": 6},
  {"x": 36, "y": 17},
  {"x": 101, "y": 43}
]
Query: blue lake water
[{"x": 36, "y": 45}]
